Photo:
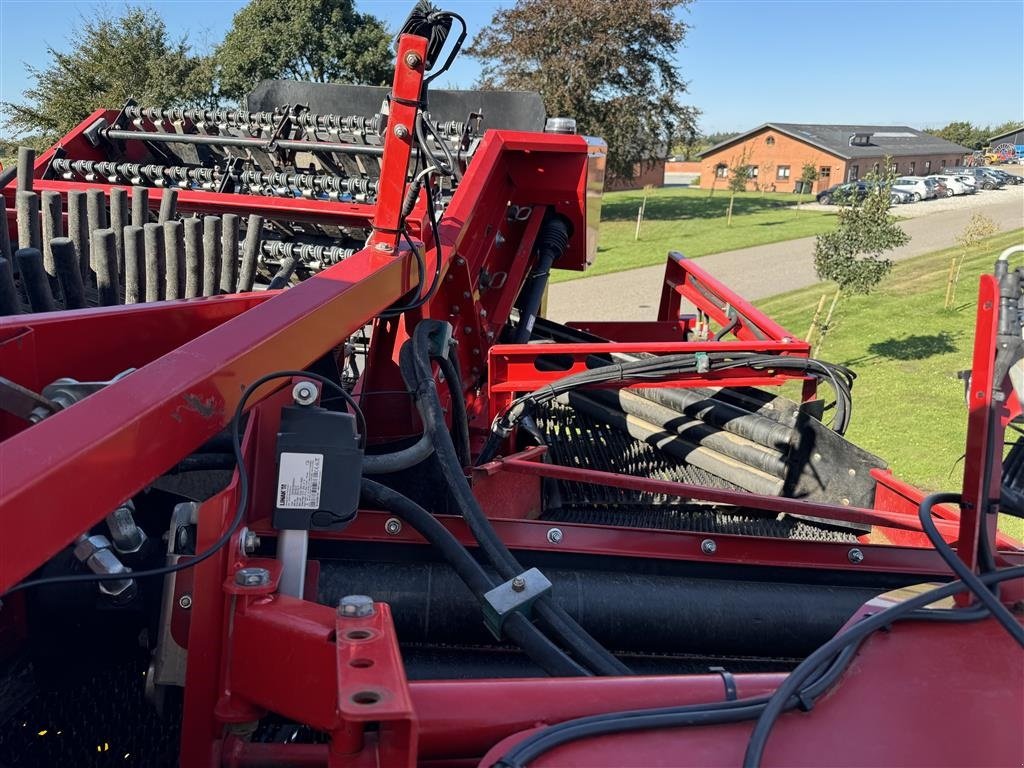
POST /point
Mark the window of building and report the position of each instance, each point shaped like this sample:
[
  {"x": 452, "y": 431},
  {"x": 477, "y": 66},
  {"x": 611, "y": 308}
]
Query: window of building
[
  {"x": 927, "y": 167},
  {"x": 783, "y": 173},
  {"x": 894, "y": 168},
  {"x": 824, "y": 173},
  {"x": 752, "y": 171},
  {"x": 721, "y": 171},
  {"x": 770, "y": 141},
  {"x": 854, "y": 173},
  {"x": 875, "y": 167},
  {"x": 912, "y": 164}
]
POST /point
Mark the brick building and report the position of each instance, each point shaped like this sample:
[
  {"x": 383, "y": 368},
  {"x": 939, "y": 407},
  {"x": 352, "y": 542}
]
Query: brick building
[{"x": 777, "y": 153}]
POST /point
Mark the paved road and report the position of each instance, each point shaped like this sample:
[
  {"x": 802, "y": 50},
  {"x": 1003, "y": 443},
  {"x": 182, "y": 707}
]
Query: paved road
[{"x": 755, "y": 273}]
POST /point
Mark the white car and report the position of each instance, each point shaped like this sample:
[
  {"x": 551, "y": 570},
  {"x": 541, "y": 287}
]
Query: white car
[
  {"x": 917, "y": 186},
  {"x": 954, "y": 186},
  {"x": 970, "y": 183}
]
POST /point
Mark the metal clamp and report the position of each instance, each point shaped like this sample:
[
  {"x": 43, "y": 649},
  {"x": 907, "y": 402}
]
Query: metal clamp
[
  {"x": 729, "y": 680},
  {"x": 516, "y": 594}
]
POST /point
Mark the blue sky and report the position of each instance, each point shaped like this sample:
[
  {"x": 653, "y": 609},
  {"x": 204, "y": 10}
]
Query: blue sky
[{"x": 917, "y": 62}]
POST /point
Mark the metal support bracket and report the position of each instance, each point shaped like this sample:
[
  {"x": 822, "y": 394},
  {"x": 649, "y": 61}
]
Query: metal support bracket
[{"x": 517, "y": 594}]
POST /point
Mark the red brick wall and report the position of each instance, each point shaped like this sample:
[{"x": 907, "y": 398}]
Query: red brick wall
[
  {"x": 683, "y": 166},
  {"x": 787, "y": 151},
  {"x": 644, "y": 174}
]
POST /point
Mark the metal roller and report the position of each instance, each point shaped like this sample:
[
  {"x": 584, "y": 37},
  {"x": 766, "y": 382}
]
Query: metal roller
[
  {"x": 78, "y": 230},
  {"x": 155, "y": 261},
  {"x": 211, "y": 254},
  {"x": 65, "y": 258},
  {"x": 174, "y": 257},
  {"x": 104, "y": 253},
  {"x": 134, "y": 266},
  {"x": 34, "y": 279},
  {"x": 140, "y": 206},
  {"x": 118, "y": 221},
  {"x": 29, "y": 235},
  {"x": 250, "y": 253},
  {"x": 168, "y": 205},
  {"x": 193, "y": 257},
  {"x": 26, "y": 168},
  {"x": 229, "y": 251},
  {"x": 10, "y": 303}
]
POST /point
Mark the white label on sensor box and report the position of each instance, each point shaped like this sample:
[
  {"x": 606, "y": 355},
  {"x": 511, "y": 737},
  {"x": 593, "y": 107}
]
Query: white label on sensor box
[{"x": 299, "y": 480}]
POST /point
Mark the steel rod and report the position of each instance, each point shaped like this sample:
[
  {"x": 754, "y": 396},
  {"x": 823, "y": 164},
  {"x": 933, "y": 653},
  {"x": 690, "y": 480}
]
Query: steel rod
[
  {"x": 104, "y": 252},
  {"x": 29, "y": 235},
  {"x": 133, "y": 264},
  {"x": 211, "y": 254},
  {"x": 118, "y": 221},
  {"x": 292, "y": 145},
  {"x": 229, "y": 253},
  {"x": 155, "y": 262},
  {"x": 10, "y": 303},
  {"x": 65, "y": 258},
  {"x": 174, "y": 255},
  {"x": 78, "y": 229},
  {"x": 250, "y": 253},
  {"x": 193, "y": 257},
  {"x": 33, "y": 278}
]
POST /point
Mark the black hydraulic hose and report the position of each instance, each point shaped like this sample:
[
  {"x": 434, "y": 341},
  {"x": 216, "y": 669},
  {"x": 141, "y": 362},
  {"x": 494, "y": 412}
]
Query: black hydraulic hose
[
  {"x": 517, "y": 627},
  {"x": 552, "y": 240},
  {"x": 460, "y": 416},
  {"x": 966, "y": 575},
  {"x": 414, "y": 361},
  {"x": 727, "y": 329}
]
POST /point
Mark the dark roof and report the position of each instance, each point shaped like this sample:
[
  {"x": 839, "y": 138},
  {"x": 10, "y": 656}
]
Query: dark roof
[
  {"x": 998, "y": 139},
  {"x": 895, "y": 140}
]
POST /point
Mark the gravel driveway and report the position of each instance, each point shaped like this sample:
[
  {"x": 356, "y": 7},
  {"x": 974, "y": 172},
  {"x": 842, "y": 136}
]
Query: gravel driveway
[{"x": 979, "y": 200}]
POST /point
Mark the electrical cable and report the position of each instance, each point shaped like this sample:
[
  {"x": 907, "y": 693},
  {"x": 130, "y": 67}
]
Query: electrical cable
[
  {"x": 516, "y": 626},
  {"x": 831, "y": 657},
  {"x": 449, "y": 365},
  {"x": 243, "y": 493}
]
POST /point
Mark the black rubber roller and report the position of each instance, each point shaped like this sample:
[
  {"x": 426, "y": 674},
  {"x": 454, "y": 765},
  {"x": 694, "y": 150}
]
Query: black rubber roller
[
  {"x": 65, "y": 261},
  {"x": 33, "y": 277}
]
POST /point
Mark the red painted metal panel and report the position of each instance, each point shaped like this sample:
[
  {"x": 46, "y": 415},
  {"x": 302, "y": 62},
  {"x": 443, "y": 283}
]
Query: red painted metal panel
[{"x": 49, "y": 493}]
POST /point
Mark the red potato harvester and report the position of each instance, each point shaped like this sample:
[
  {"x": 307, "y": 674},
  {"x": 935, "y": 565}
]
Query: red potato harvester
[{"x": 295, "y": 472}]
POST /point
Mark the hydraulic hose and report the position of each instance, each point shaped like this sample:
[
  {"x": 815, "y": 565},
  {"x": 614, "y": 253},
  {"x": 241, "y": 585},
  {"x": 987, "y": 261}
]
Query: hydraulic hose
[
  {"x": 414, "y": 361},
  {"x": 460, "y": 416},
  {"x": 552, "y": 241},
  {"x": 386, "y": 463},
  {"x": 517, "y": 627}
]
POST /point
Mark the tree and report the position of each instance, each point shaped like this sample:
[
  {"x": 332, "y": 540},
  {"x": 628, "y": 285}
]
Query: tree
[
  {"x": 311, "y": 40},
  {"x": 808, "y": 175},
  {"x": 852, "y": 255},
  {"x": 607, "y": 63},
  {"x": 962, "y": 132},
  {"x": 109, "y": 60},
  {"x": 739, "y": 175}
]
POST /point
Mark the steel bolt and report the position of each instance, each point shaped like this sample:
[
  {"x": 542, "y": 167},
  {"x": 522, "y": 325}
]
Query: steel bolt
[
  {"x": 459, "y": 261},
  {"x": 855, "y": 555},
  {"x": 252, "y": 577},
  {"x": 483, "y": 312},
  {"x": 384, "y": 247},
  {"x": 401, "y": 131},
  {"x": 392, "y": 526},
  {"x": 412, "y": 59},
  {"x": 304, "y": 393},
  {"x": 708, "y": 547},
  {"x": 467, "y": 330},
  {"x": 455, "y": 309},
  {"x": 476, "y": 351},
  {"x": 518, "y": 584},
  {"x": 554, "y": 535},
  {"x": 185, "y": 601},
  {"x": 355, "y": 606},
  {"x": 466, "y": 295}
]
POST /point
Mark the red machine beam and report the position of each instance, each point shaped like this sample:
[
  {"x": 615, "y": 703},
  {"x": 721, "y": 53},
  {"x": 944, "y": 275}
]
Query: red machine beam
[{"x": 132, "y": 431}]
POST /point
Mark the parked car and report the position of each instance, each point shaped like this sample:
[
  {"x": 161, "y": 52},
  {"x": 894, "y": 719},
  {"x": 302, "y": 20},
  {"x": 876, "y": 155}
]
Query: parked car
[
  {"x": 838, "y": 193},
  {"x": 917, "y": 186},
  {"x": 940, "y": 187},
  {"x": 953, "y": 185},
  {"x": 1007, "y": 178},
  {"x": 983, "y": 179},
  {"x": 900, "y": 196},
  {"x": 969, "y": 183}
]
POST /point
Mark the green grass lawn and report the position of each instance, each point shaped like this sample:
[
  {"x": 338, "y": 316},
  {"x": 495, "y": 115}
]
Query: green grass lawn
[
  {"x": 906, "y": 350},
  {"x": 687, "y": 220}
]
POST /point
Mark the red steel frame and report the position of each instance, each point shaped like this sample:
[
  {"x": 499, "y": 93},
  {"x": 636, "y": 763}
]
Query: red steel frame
[{"x": 257, "y": 651}]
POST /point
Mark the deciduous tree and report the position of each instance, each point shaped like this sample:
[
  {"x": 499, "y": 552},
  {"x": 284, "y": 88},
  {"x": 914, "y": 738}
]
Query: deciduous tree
[
  {"x": 312, "y": 40},
  {"x": 107, "y": 60},
  {"x": 608, "y": 63}
]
